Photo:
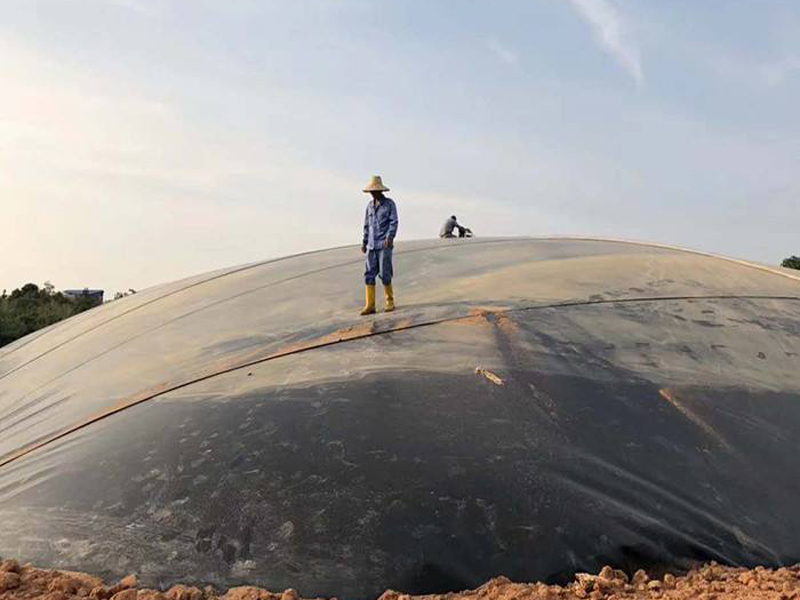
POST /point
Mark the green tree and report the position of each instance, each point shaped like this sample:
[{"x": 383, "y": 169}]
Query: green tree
[
  {"x": 30, "y": 308},
  {"x": 793, "y": 262}
]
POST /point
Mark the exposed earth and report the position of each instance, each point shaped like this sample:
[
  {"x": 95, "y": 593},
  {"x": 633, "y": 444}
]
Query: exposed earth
[{"x": 708, "y": 582}]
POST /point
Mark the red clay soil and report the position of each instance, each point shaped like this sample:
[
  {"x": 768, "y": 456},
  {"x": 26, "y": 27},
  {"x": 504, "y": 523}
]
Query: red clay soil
[{"x": 709, "y": 582}]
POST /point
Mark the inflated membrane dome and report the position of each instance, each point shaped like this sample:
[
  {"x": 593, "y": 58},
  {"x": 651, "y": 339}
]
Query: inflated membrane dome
[{"x": 535, "y": 407}]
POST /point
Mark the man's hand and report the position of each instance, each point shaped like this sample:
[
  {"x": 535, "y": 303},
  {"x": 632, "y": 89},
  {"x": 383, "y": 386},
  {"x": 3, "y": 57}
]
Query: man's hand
[
  {"x": 363, "y": 248},
  {"x": 388, "y": 243}
]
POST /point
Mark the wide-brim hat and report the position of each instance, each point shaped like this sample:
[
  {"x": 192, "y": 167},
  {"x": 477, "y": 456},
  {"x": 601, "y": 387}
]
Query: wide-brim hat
[{"x": 376, "y": 185}]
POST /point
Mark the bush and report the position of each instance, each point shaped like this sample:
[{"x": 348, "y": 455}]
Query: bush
[
  {"x": 793, "y": 262},
  {"x": 30, "y": 308}
]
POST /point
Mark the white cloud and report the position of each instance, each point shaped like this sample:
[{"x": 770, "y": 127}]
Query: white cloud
[
  {"x": 611, "y": 33},
  {"x": 503, "y": 53}
]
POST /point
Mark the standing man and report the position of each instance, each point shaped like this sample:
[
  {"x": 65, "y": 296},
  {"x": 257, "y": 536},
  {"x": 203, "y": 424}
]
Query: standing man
[{"x": 380, "y": 227}]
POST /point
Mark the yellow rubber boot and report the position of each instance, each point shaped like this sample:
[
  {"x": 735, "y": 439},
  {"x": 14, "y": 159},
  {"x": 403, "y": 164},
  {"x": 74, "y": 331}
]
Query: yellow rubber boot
[
  {"x": 388, "y": 292},
  {"x": 369, "y": 309}
]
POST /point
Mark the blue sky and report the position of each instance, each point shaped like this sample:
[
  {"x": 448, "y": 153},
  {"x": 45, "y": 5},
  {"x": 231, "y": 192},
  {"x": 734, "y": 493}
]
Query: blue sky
[{"x": 145, "y": 140}]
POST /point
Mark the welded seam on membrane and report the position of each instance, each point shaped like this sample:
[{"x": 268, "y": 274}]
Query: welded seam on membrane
[
  {"x": 241, "y": 269},
  {"x": 200, "y": 309},
  {"x": 167, "y": 295},
  {"x": 219, "y": 276},
  {"x": 440, "y": 246},
  {"x": 134, "y": 401}
]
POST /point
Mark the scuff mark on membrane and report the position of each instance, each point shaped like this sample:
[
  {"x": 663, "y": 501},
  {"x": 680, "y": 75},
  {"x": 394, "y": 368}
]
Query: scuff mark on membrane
[{"x": 671, "y": 397}]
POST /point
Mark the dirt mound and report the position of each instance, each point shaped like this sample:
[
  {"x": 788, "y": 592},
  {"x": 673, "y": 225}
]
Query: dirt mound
[{"x": 709, "y": 582}]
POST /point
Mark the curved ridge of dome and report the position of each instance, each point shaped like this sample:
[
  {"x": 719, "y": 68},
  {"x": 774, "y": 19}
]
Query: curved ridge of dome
[{"x": 237, "y": 269}]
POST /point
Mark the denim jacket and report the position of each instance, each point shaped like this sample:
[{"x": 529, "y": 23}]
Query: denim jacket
[{"x": 380, "y": 223}]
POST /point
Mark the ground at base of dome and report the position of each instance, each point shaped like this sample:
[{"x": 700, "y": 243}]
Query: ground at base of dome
[{"x": 707, "y": 582}]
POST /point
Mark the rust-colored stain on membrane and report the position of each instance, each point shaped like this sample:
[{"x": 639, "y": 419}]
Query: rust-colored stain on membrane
[{"x": 507, "y": 325}]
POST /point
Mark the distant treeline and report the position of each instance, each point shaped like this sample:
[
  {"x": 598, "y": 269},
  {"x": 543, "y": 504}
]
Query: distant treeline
[{"x": 30, "y": 307}]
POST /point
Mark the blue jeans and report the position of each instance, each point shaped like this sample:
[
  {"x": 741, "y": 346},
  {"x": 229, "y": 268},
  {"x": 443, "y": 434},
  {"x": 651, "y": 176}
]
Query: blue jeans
[{"x": 379, "y": 261}]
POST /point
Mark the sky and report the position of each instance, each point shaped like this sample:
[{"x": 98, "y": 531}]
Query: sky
[{"x": 146, "y": 140}]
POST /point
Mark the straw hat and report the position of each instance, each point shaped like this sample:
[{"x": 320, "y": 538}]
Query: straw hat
[{"x": 376, "y": 185}]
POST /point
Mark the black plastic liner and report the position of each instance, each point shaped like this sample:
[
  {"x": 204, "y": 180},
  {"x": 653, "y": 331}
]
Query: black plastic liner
[{"x": 639, "y": 410}]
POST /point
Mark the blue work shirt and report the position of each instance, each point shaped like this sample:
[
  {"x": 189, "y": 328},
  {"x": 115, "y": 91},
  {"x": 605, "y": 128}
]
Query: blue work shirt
[{"x": 380, "y": 223}]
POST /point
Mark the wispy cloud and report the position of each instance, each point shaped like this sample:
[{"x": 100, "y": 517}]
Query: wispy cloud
[
  {"x": 610, "y": 31},
  {"x": 503, "y": 53}
]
